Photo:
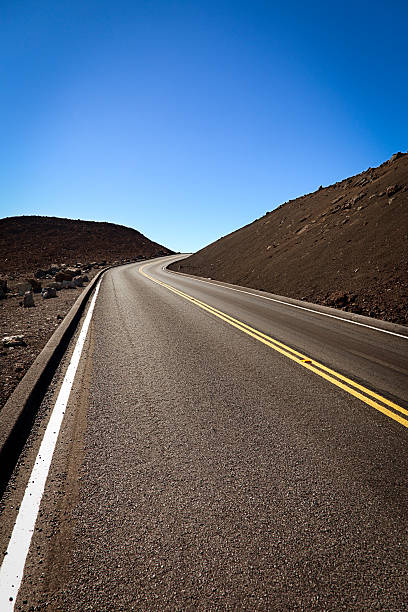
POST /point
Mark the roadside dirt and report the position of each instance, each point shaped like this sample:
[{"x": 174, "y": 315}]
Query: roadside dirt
[
  {"x": 36, "y": 324},
  {"x": 344, "y": 246}
]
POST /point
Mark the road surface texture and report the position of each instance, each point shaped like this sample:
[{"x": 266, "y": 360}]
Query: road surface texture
[{"x": 199, "y": 468}]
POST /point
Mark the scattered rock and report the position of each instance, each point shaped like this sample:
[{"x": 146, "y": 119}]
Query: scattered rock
[
  {"x": 28, "y": 300},
  {"x": 362, "y": 181},
  {"x": 78, "y": 281},
  {"x": 359, "y": 197},
  {"x": 22, "y": 288},
  {"x": 392, "y": 189},
  {"x": 2, "y": 293},
  {"x": 396, "y": 156},
  {"x": 66, "y": 274},
  {"x": 36, "y": 324},
  {"x": 49, "y": 292},
  {"x": 46, "y": 273},
  {"x": 72, "y": 271},
  {"x": 55, "y": 285},
  {"x": 40, "y": 273},
  {"x": 62, "y": 276},
  {"x": 68, "y": 284},
  {"x": 3, "y": 285},
  {"x": 14, "y": 340},
  {"x": 35, "y": 285}
]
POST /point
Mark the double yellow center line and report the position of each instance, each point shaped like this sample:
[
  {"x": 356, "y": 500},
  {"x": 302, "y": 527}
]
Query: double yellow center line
[{"x": 367, "y": 396}]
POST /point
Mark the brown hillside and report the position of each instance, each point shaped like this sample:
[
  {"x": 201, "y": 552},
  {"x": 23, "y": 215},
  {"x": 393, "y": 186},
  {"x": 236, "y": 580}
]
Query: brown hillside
[
  {"x": 27, "y": 243},
  {"x": 345, "y": 246}
]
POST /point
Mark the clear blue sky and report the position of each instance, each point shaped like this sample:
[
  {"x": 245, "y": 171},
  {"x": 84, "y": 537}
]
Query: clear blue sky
[{"x": 187, "y": 120}]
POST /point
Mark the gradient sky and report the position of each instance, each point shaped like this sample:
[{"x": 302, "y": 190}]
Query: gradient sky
[{"x": 187, "y": 120}]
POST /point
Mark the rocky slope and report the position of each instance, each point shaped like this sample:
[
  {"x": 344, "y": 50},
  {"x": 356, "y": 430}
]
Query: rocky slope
[
  {"x": 345, "y": 246},
  {"x": 28, "y": 243}
]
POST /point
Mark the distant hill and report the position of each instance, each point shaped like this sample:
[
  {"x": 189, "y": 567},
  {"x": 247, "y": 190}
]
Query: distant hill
[
  {"x": 345, "y": 246},
  {"x": 31, "y": 242}
]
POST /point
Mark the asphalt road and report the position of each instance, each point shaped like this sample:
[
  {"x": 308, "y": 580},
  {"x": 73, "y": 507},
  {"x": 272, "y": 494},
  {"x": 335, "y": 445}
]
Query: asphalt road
[{"x": 200, "y": 468}]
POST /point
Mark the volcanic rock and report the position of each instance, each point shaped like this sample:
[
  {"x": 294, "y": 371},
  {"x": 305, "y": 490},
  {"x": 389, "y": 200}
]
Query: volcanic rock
[
  {"x": 17, "y": 340},
  {"x": 40, "y": 273},
  {"x": 35, "y": 285},
  {"x": 68, "y": 284},
  {"x": 28, "y": 299},
  {"x": 49, "y": 292},
  {"x": 22, "y": 288},
  {"x": 63, "y": 276},
  {"x": 55, "y": 285},
  {"x": 396, "y": 156},
  {"x": 392, "y": 189},
  {"x": 78, "y": 281},
  {"x": 72, "y": 271}
]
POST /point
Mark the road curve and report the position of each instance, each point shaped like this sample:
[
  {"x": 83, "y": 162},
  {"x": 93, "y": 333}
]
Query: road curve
[
  {"x": 365, "y": 352},
  {"x": 202, "y": 466}
]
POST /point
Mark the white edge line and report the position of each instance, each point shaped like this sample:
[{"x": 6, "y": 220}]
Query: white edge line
[
  {"x": 265, "y": 297},
  {"x": 12, "y": 568}
]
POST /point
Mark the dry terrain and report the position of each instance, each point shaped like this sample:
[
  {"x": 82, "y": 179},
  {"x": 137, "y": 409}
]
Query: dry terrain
[
  {"x": 36, "y": 324},
  {"x": 35, "y": 248},
  {"x": 31, "y": 242},
  {"x": 344, "y": 246}
]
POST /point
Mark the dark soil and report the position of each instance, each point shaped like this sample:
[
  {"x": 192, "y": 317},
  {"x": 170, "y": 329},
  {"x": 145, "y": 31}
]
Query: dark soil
[
  {"x": 344, "y": 246},
  {"x": 27, "y": 243}
]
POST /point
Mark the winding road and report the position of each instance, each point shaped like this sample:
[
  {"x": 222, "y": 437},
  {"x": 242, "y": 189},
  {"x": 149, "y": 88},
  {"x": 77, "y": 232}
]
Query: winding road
[{"x": 222, "y": 449}]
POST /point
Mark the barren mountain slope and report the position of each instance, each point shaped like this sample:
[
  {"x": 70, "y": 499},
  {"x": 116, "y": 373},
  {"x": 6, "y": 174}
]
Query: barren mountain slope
[
  {"x": 345, "y": 245},
  {"x": 27, "y": 243}
]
